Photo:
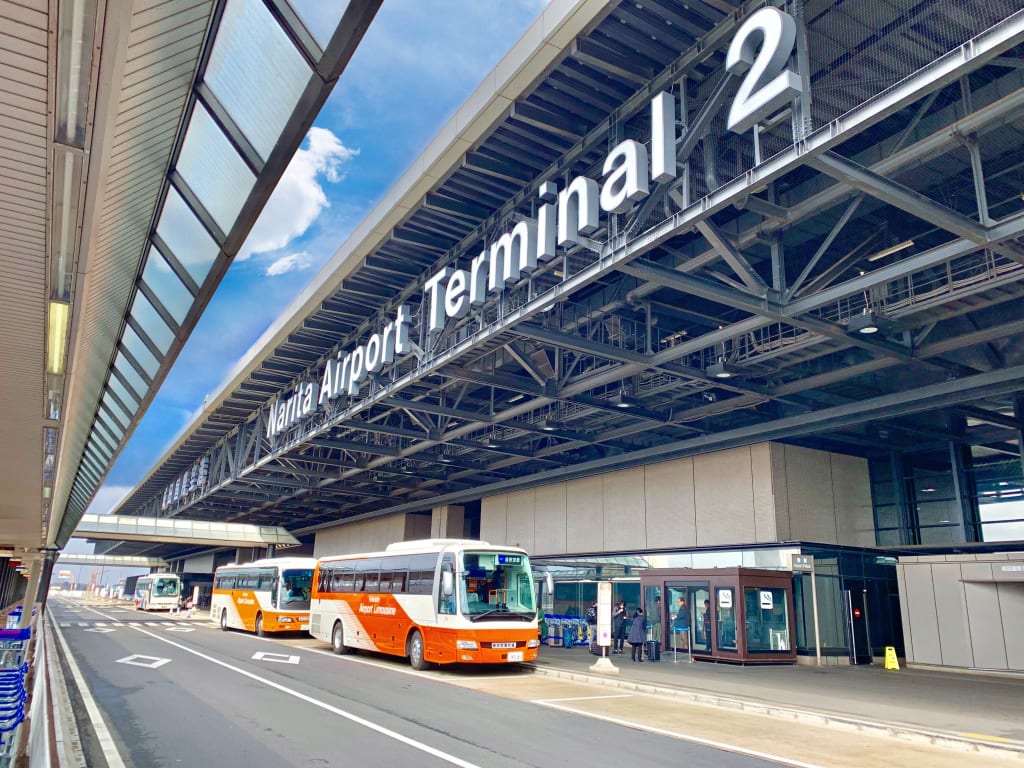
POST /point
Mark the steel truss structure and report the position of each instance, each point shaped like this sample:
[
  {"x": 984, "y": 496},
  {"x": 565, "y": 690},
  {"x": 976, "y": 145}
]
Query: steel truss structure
[{"x": 728, "y": 307}]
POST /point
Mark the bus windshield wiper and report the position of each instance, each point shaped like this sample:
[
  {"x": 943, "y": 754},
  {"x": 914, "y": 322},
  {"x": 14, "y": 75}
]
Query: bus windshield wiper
[
  {"x": 503, "y": 613},
  {"x": 485, "y": 614}
]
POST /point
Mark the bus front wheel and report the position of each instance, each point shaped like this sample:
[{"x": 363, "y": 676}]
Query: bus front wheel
[
  {"x": 415, "y": 648},
  {"x": 224, "y": 621},
  {"x": 259, "y": 625},
  {"x": 338, "y": 639}
]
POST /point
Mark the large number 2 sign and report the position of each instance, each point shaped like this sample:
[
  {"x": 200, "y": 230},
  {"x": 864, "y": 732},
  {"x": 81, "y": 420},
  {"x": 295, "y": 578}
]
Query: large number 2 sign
[{"x": 768, "y": 83}]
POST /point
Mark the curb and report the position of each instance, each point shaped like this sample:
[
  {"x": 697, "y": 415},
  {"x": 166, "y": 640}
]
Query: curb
[{"x": 1007, "y": 748}]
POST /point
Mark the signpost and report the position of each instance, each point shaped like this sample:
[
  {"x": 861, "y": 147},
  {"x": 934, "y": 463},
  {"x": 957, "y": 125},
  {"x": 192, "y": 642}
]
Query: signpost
[
  {"x": 604, "y": 628},
  {"x": 805, "y": 564}
]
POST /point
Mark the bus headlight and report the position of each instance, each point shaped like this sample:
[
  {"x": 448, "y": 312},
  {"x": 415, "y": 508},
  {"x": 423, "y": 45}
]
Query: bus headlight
[
  {"x": 285, "y": 619},
  {"x": 534, "y": 643},
  {"x": 467, "y": 645}
]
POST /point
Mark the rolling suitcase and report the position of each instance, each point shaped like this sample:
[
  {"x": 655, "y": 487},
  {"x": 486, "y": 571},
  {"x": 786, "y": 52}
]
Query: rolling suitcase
[{"x": 653, "y": 650}]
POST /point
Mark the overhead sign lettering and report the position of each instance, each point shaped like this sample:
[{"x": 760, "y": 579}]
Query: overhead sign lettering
[{"x": 759, "y": 53}]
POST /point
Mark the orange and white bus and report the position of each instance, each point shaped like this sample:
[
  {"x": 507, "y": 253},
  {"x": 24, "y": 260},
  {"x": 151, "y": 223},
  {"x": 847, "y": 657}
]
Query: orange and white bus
[
  {"x": 442, "y": 601},
  {"x": 263, "y": 596}
]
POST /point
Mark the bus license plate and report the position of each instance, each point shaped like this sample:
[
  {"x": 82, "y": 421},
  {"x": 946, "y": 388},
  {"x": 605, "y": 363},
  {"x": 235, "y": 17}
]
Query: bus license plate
[
  {"x": 304, "y": 627},
  {"x": 515, "y": 656}
]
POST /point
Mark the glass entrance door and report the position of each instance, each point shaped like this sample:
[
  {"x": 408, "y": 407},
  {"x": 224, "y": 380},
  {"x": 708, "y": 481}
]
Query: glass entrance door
[
  {"x": 687, "y": 617},
  {"x": 703, "y": 620}
]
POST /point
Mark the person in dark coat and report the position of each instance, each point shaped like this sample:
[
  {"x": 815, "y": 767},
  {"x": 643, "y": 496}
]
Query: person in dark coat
[
  {"x": 619, "y": 626},
  {"x": 637, "y": 635}
]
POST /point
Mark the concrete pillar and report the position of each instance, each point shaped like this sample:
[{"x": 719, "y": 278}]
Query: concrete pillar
[
  {"x": 447, "y": 522},
  {"x": 28, "y": 604}
]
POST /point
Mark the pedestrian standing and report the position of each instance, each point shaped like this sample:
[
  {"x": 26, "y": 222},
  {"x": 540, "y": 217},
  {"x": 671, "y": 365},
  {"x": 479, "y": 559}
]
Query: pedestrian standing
[
  {"x": 637, "y": 635},
  {"x": 619, "y": 626}
]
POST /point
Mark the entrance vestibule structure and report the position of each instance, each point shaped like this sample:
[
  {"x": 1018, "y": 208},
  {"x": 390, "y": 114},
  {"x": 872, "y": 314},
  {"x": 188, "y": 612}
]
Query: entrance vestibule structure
[{"x": 740, "y": 615}]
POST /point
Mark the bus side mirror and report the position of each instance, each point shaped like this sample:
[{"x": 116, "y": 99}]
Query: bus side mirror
[{"x": 447, "y": 583}]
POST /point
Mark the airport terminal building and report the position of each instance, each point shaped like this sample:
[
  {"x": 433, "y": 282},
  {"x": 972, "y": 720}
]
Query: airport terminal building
[{"x": 680, "y": 286}]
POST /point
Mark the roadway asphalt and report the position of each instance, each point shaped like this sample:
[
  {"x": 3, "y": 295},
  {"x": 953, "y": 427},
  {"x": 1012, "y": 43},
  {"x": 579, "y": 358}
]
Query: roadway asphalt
[
  {"x": 986, "y": 710},
  {"x": 973, "y": 710}
]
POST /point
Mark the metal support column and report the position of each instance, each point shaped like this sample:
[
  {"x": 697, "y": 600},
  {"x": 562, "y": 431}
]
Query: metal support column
[
  {"x": 1018, "y": 415},
  {"x": 909, "y": 531},
  {"x": 960, "y": 460}
]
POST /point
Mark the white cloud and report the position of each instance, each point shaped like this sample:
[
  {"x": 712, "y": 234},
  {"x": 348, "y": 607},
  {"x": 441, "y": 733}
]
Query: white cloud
[
  {"x": 293, "y": 262},
  {"x": 108, "y": 497},
  {"x": 299, "y": 197}
]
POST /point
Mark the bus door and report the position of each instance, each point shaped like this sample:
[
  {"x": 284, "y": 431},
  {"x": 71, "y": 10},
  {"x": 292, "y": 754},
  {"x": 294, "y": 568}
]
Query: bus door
[{"x": 440, "y": 644}]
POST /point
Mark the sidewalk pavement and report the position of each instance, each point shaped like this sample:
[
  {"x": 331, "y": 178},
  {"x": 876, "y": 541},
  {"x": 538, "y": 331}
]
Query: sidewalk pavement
[{"x": 980, "y": 710}]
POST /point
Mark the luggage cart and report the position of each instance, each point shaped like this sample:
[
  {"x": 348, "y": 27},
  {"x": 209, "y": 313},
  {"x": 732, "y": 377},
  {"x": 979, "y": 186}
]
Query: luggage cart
[{"x": 13, "y": 695}]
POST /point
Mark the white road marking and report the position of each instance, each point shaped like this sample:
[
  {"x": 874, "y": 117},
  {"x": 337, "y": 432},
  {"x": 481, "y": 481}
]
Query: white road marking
[
  {"x": 682, "y": 736},
  {"x": 101, "y": 630},
  {"x": 281, "y": 658},
  {"x": 180, "y": 629},
  {"x": 136, "y": 660},
  {"x": 103, "y": 736},
  {"x": 448, "y": 758}
]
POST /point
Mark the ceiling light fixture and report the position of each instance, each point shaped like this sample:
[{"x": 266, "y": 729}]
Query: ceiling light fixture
[
  {"x": 891, "y": 250},
  {"x": 57, "y": 336},
  {"x": 867, "y": 322},
  {"x": 721, "y": 370},
  {"x": 621, "y": 399}
]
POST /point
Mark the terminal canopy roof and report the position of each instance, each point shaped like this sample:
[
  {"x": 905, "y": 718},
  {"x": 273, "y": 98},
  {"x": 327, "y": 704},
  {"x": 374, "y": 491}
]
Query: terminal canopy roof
[
  {"x": 848, "y": 277},
  {"x": 139, "y": 141}
]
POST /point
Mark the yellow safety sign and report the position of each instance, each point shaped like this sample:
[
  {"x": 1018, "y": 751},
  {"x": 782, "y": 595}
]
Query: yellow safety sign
[{"x": 891, "y": 662}]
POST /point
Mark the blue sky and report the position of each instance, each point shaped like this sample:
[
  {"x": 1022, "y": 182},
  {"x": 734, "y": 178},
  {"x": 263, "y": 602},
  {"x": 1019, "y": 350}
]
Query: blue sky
[{"x": 418, "y": 62}]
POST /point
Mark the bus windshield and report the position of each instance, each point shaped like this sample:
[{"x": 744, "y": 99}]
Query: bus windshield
[
  {"x": 166, "y": 587},
  {"x": 295, "y": 587},
  {"x": 496, "y": 584}
]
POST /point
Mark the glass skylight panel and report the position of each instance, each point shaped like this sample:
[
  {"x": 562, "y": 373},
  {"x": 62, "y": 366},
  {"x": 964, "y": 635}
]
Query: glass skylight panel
[
  {"x": 107, "y": 447},
  {"x": 187, "y": 238},
  {"x": 138, "y": 349},
  {"x": 119, "y": 413},
  {"x": 172, "y": 293},
  {"x": 113, "y": 418},
  {"x": 96, "y": 448},
  {"x": 320, "y": 18},
  {"x": 89, "y": 473},
  {"x": 91, "y": 463},
  {"x": 111, "y": 426},
  {"x": 132, "y": 380},
  {"x": 213, "y": 169},
  {"x": 153, "y": 325},
  {"x": 126, "y": 397},
  {"x": 256, "y": 72},
  {"x": 104, "y": 431},
  {"x": 92, "y": 468}
]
